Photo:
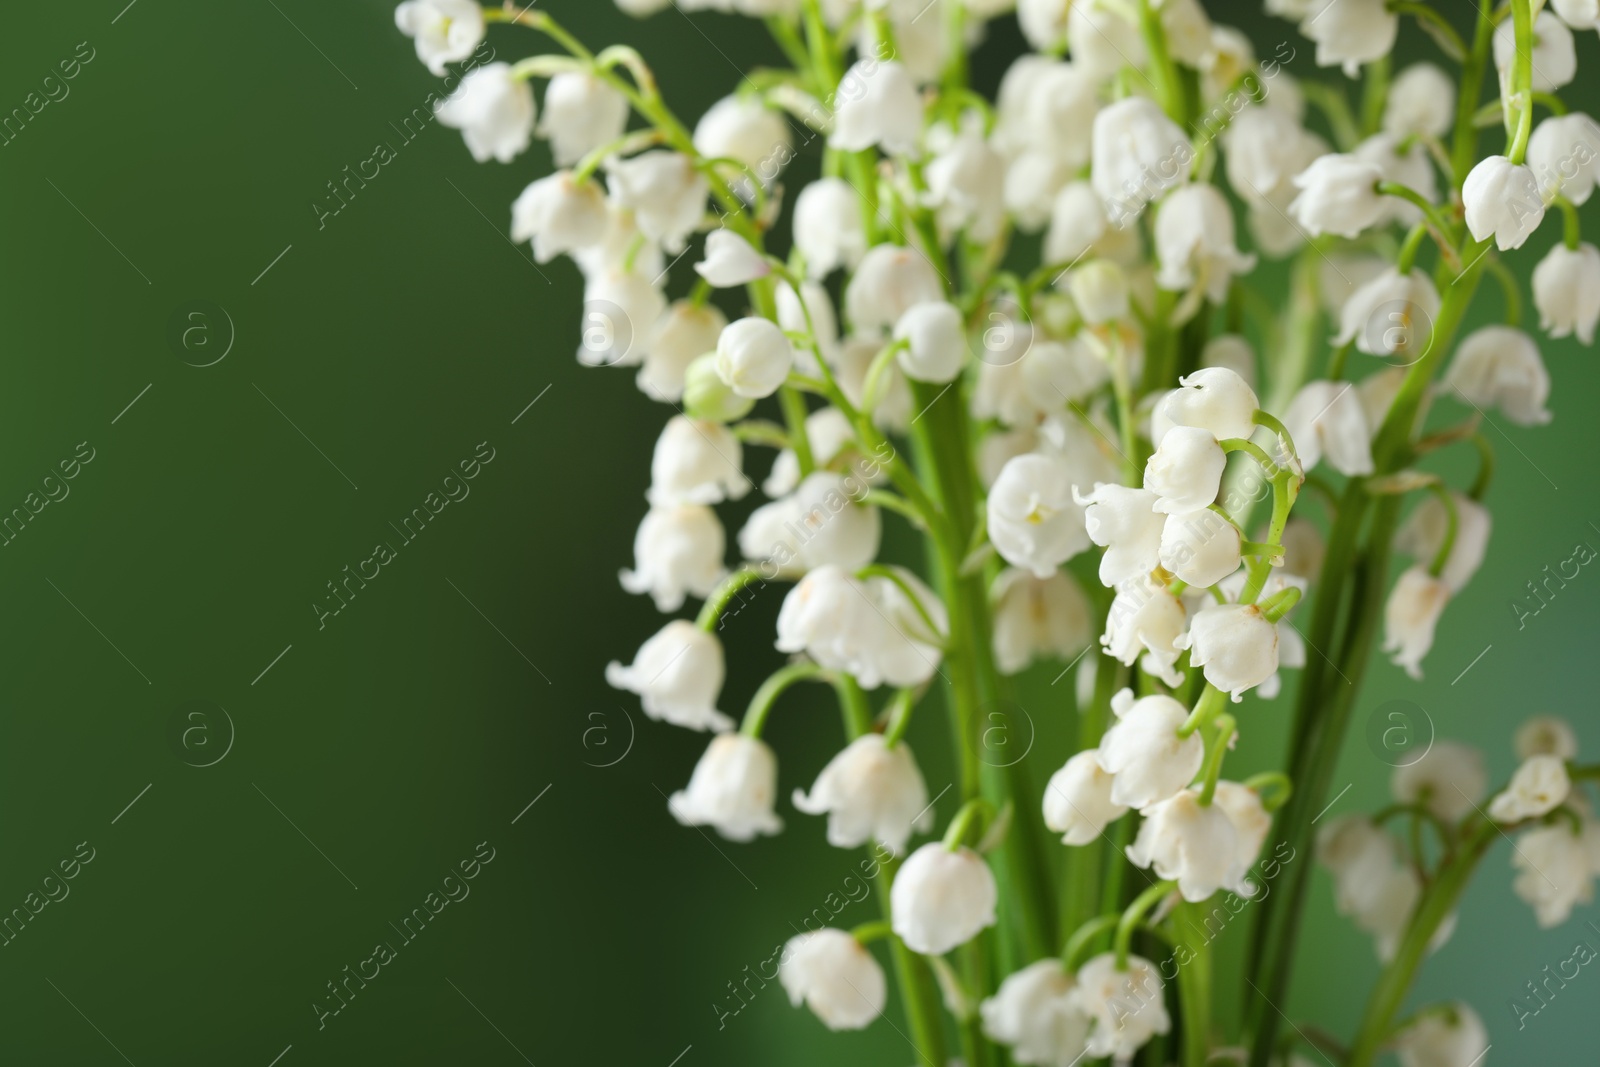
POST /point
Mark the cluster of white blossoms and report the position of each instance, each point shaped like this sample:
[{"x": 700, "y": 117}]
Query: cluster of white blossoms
[{"x": 1031, "y": 329}]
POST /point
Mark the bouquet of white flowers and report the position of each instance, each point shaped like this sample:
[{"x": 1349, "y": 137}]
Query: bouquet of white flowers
[{"x": 1025, "y": 327}]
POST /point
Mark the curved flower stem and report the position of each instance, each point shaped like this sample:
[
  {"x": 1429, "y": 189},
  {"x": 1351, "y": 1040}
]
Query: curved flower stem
[
  {"x": 1447, "y": 543},
  {"x": 1510, "y": 287},
  {"x": 1281, "y": 783},
  {"x": 1253, "y": 450},
  {"x": 868, "y": 932},
  {"x": 900, "y": 708},
  {"x": 711, "y": 611},
  {"x": 755, "y": 716},
  {"x": 1084, "y": 936},
  {"x": 1131, "y": 916},
  {"x": 1572, "y": 229},
  {"x": 1522, "y": 78},
  {"x": 1210, "y": 705},
  {"x": 1439, "y": 24},
  {"x": 1215, "y": 754},
  {"x": 1438, "y": 900},
  {"x": 962, "y": 826}
]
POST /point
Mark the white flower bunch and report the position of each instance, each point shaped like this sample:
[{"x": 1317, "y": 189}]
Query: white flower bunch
[{"x": 1103, "y": 446}]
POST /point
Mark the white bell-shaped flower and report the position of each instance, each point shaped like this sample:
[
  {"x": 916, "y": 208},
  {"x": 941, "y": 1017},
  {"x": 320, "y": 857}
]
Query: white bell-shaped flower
[
  {"x": 1410, "y": 167},
  {"x": 890, "y": 281},
  {"x": 560, "y": 215},
  {"x": 677, "y": 551},
  {"x": 1195, "y": 243},
  {"x": 1216, "y": 400},
  {"x": 581, "y": 114},
  {"x": 1448, "y": 779},
  {"x": 936, "y": 342},
  {"x": 1388, "y": 913},
  {"x": 1144, "y": 752},
  {"x": 678, "y": 675},
  {"x": 835, "y": 976},
  {"x": 1195, "y": 846},
  {"x": 1266, "y": 148},
  {"x": 1325, "y": 419},
  {"x": 445, "y": 31},
  {"x": 1566, "y": 290},
  {"x": 830, "y": 434},
  {"x": 1127, "y": 525},
  {"x": 1100, "y": 290},
  {"x": 685, "y": 332},
  {"x": 966, "y": 180},
  {"x": 1249, "y": 816},
  {"x": 1102, "y": 39},
  {"x": 1200, "y": 548},
  {"x": 908, "y": 652},
  {"x": 1077, "y": 800},
  {"x": 942, "y": 898},
  {"x": 1421, "y": 102},
  {"x": 1044, "y": 23},
  {"x": 731, "y": 261},
  {"x": 1410, "y": 616},
  {"x": 1185, "y": 471},
  {"x": 732, "y": 789},
  {"x": 666, "y": 192},
  {"x": 1453, "y": 1037},
  {"x": 1338, "y": 195},
  {"x": 1230, "y": 352},
  {"x": 870, "y": 792},
  {"x": 1034, "y": 523},
  {"x": 754, "y": 357},
  {"x": 1077, "y": 224},
  {"x": 1359, "y": 855},
  {"x": 1146, "y": 617},
  {"x": 831, "y": 526},
  {"x": 1539, "y": 787},
  {"x": 1390, "y": 315},
  {"x": 1502, "y": 201},
  {"x": 1139, "y": 153},
  {"x": 1546, "y": 735},
  {"x": 828, "y": 227},
  {"x": 830, "y": 617},
  {"x": 624, "y": 249},
  {"x": 494, "y": 112},
  {"x": 1424, "y": 532},
  {"x": 878, "y": 105},
  {"x": 1236, "y": 645},
  {"x": 1037, "y": 618},
  {"x": 1564, "y": 155},
  {"x": 620, "y": 309},
  {"x": 742, "y": 128},
  {"x": 1555, "y": 54},
  {"x": 1499, "y": 367},
  {"x": 1127, "y": 1006},
  {"x": 1035, "y": 1012},
  {"x": 1578, "y": 14},
  {"x": 1349, "y": 33},
  {"x": 696, "y": 462},
  {"x": 1554, "y": 872}
]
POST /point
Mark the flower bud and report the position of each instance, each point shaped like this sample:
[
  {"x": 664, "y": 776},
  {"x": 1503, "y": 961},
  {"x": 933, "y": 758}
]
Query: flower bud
[
  {"x": 732, "y": 789},
  {"x": 493, "y": 111},
  {"x": 1077, "y": 800},
  {"x": 870, "y": 793},
  {"x": 678, "y": 675},
  {"x": 707, "y": 397},
  {"x": 677, "y": 550},
  {"x": 1214, "y": 399},
  {"x": 936, "y": 342},
  {"x": 1502, "y": 201},
  {"x": 1566, "y": 290},
  {"x": 581, "y": 113},
  {"x": 941, "y": 899},
  {"x": 1186, "y": 470},
  {"x": 754, "y": 357},
  {"x": 835, "y": 976},
  {"x": 1200, "y": 548}
]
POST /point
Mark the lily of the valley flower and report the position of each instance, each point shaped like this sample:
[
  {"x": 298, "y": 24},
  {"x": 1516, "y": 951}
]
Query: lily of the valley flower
[
  {"x": 678, "y": 675},
  {"x": 1546, "y": 735},
  {"x": 942, "y": 898},
  {"x": 1424, "y": 532},
  {"x": 1555, "y": 54},
  {"x": 732, "y": 789},
  {"x": 1411, "y": 615},
  {"x": 1555, "y": 871},
  {"x": 1448, "y": 780},
  {"x": 1036, "y": 1012},
  {"x": 1349, "y": 33},
  {"x": 1566, "y": 290},
  {"x": 1192, "y": 844},
  {"x": 1390, "y": 315},
  {"x": 1077, "y": 800},
  {"x": 1499, "y": 367},
  {"x": 1143, "y": 751},
  {"x": 1126, "y": 1006},
  {"x": 1326, "y": 419},
  {"x": 666, "y": 192},
  {"x": 890, "y": 281},
  {"x": 1195, "y": 243},
  {"x": 835, "y": 976},
  {"x": 1564, "y": 155},
  {"x": 878, "y": 105},
  {"x": 1540, "y": 786},
  {"x": 560, "y": 215},
  {"x": 1214, "y": 399},
  {"x": 1235, "y": 644},
  {"x": 696, "y": 462},
  {"x": 581, "y": 113},
  {"x": 1502, "y": 201},
  {"x": 493, "y": 111},
  {"x": 1138, "y": 154},
  {"x": 731, "y": 261},
  {"x": 754, "y": 357},
  {"x": 1035, "y": 618},
  {"x": 446, "y": 31},
  {"x": 1339, "y": 195},
  {"x": 870, "y": 792},
  {"x": 936, "y": 342},
  {"x": 681, "y": 335},
  {"x": 1146, "y": 617},
  {"x": 1185, "y": 471},
  {"x": 1444, "y": 1037},
  {"x": 1127, "y": 525},
  {"x": 677, "y": 551},
  {"x": 742, "y": 129},
  {"x": 828, "y": 228},
  {"x": 1200, "y": 548},
  {"x": 1033, "y": 521},
  {"x": 1421, "y": 102}
]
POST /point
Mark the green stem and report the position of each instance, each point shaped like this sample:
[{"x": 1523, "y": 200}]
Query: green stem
[
  {"x": 1217, "y": 752},
  {"x": 1522, "y": 78},
  {"x": 1572, "y": 229},
  {"x": 1480, "y": 486},
  {"x": 1084, "y": 936},
  {"x": 1452, "y": 523},
  {"x": 1194, "y": 982},
  {"x": 1142, "y": 903},
  {"x": 1464, "y": 149},
  {"x": 755, "y": 716},
  {"x": 711, "y": 611}
]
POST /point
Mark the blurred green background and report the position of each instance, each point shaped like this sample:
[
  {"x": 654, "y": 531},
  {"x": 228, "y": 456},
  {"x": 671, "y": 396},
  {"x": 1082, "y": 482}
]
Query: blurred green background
[{"x": 355, "y": 762}]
